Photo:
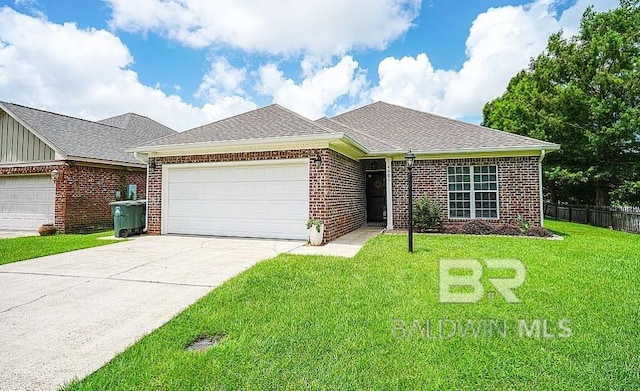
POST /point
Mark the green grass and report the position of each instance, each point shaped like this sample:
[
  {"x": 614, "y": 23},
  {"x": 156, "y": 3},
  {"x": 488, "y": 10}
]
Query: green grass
[
  {"x": 322, "y": 323},
  {"x": 28, "y": 247}
]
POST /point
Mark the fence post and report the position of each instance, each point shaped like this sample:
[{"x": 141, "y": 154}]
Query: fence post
[
  {"x": 587, "y": 213},
  {"x": 570, "y": 215}
]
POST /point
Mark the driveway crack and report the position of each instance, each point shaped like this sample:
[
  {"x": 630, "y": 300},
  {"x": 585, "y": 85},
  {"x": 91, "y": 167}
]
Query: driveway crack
[
  {"x": 148, "y": 263},
  {"x": 43, "y": 296}
]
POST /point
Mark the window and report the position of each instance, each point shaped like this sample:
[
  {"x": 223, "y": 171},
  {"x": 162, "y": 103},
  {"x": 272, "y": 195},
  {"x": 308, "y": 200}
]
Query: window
[{"x": 473, "y": 192}]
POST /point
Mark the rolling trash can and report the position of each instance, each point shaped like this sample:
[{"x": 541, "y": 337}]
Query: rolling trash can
[{"x": 129, "y": 217}]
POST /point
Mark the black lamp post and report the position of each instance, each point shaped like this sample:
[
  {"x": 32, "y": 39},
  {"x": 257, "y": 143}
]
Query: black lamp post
[{"x": 410, "y": 157}]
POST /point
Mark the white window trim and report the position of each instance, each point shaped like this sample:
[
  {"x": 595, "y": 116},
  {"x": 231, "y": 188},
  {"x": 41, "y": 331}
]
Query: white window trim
[{"x": 472, "y": 197}]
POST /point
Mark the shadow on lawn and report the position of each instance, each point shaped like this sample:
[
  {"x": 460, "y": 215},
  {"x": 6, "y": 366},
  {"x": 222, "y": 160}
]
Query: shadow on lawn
[{"x": 559, "y": 233}]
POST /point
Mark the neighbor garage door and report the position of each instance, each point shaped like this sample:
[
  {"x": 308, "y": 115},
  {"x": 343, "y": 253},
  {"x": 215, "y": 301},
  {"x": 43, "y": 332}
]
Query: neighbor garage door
[
  {"x": 26, "y": 202},
  {"x": 250, "y": 199}
]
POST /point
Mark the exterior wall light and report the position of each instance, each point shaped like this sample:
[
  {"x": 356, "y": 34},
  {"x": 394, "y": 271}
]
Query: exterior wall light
[
  {"x": 55, "y": 174},
  {"x": 317, "y": 160}
]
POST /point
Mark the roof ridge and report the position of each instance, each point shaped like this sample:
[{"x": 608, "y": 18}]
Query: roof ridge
[
  {"x": 58, "y": 114},
  {"x": 302, "y": 117},
  {"x": 384, "y": 141},
  {"x": 223, "y": 119},
  {"x": 125, "y": 124},
  {"x": 453, "y": 120}
]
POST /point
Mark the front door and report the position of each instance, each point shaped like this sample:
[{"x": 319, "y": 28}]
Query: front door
[{"x": 376, "y": 197}]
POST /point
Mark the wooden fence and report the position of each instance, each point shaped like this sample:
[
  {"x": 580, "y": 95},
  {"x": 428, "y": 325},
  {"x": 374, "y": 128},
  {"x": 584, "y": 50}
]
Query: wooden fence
[{"x": 619, "y": 218}]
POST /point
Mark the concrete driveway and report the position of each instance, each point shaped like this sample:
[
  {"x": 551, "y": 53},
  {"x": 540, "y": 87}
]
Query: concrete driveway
[{"x": 64, "y": 316}]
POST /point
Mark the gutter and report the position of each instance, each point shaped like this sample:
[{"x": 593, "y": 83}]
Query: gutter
[
  {"x": 401, "y": 152},
  {"x": 141, "y": 158},
  {"x": 239, "y": 144}
]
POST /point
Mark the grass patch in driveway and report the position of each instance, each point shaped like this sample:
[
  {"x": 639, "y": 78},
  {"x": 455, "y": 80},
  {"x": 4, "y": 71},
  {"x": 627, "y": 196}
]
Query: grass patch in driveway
[
  {"x": 309, "y": 322},
  {"x": 28, "y": 247}
]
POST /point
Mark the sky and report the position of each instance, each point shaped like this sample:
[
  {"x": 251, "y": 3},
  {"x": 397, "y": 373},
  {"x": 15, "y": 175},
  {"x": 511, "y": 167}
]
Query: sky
[{"x": 189, "y": 62}]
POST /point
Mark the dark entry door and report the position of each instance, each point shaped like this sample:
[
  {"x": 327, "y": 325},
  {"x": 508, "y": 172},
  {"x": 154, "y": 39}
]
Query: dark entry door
[{"x": 376, "y": 196}]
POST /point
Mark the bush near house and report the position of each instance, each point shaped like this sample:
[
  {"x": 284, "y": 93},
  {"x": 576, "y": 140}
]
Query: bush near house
[
  {"x": 427, "y": 215},
  {"x": 483, "y": 227}
]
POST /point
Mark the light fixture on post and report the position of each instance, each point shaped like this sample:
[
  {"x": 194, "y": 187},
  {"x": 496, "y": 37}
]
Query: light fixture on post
[
  {"x": 55, "y": 174},
  {"x": 410, "y": 157}
]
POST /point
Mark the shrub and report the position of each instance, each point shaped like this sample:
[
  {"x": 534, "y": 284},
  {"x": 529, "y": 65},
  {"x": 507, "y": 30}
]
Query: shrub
[
  {"x": 522, "y": 223},
  {"x": 539, "y": 232},
  {"x": 427, "y": 214},
  {"x": 508, "y": 229},
  {"x": 477, "y": 227}
]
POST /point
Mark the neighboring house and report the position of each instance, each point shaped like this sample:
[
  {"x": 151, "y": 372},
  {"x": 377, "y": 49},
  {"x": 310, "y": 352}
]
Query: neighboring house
[
  {"x": 265, "y": 172},
  {"x": 65, "y": 170}
]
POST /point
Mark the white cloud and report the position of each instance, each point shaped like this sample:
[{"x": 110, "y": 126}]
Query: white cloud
[
  {"x": 222, "y": 78},
  {"x": 278, "y": 26},
  {"x": 412, "y": 82},
  {"x": 87, "y": 73},
  {"x": 227, "y": 106},
  {"x": 223, "y": 85},
  {"x": 501, "y": 42},
  {"x": 320, "y": 89},
  {"x": 81, "y": 72}
]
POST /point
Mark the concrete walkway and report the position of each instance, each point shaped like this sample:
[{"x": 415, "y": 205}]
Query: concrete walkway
[
  {"x": 345, "y": 246},
  {"x": 65, "y": 315},
  {"x": 17, "y": 234}
]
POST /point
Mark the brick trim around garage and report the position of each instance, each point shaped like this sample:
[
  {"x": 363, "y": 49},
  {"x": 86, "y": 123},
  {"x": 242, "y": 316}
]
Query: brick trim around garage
[
  {"x": 83, "y": 192},
  {"x": 336, "y": 187}
]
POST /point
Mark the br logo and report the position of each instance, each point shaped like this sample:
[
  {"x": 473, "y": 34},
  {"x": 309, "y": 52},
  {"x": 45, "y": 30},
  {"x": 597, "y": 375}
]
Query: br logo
[{"x": 504, "y": 286}]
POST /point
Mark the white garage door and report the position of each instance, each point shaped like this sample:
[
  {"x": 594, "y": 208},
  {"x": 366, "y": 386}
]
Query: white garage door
[
  {"x": 26, "y": 202},
  {"x": 259, "y": 200}
]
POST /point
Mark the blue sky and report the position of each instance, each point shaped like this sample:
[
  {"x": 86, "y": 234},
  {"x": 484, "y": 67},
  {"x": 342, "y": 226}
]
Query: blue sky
[{"x": 188, "y": 62}]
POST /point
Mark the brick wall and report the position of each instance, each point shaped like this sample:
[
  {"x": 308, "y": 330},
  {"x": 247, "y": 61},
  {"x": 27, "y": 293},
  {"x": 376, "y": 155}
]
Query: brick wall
[
  {"x": 336, "y": 187},
  {"x": 346, "y": 195},
  {"x": 83, "y": 192},
  {"x": 518, "y": 186}
]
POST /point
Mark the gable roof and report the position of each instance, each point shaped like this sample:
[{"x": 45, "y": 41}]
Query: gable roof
[
  {"x": 273, "y": 121},
  {"x": 144, "y": 128},
  {"x": 79, "y": 138},
  {"x": 408, "y": 129},
  {"x": 370, "y": 142}
]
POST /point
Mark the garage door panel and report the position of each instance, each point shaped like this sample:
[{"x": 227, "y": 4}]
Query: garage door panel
[
  {"x": 266, "y": 200},
  {"x": 229, "y": 227},
  {"x": 26, "y": 202}
]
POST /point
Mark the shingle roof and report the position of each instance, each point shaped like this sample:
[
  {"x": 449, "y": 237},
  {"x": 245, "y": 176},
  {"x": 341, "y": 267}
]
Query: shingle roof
[
  {"x": 80, "y": 138},
  {"x": 144, "y": 128},
  {"x": 267, "y": 122},
  {"x": 367, "y": 141},
  {"x": 407, "y": 129}
]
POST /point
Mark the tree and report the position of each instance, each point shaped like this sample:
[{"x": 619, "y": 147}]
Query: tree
[{"x": 583, "y": 92}]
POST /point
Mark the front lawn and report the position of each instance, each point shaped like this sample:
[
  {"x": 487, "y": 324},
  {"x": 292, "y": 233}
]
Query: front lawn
[
  {"x": 22, "y": 248},
  {"x": 307, "y": 322}
]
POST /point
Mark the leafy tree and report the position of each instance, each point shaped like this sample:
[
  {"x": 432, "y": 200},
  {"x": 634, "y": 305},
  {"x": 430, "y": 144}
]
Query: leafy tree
[{"x": 583, "y": 92}]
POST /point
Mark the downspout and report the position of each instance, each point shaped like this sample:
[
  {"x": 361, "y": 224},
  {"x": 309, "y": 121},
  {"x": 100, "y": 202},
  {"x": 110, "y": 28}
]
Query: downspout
[
  {"x": 542, "y": 155},
  {"x": 144, "y": 160}
]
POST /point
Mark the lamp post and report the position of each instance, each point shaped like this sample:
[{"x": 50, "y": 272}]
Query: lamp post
[{"x": 410, "y": 157}]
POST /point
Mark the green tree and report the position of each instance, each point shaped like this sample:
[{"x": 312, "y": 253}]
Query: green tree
[{"x": 583, "y": 92}]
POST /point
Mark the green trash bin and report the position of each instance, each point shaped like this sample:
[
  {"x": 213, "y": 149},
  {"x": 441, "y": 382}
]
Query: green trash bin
[{"x": 129, "y": 217}]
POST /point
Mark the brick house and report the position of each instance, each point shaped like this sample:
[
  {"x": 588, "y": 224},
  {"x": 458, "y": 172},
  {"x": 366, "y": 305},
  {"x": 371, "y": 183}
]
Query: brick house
[
  {"x": 265, "y": 172},
  {"x": 64, "y": 170}
]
